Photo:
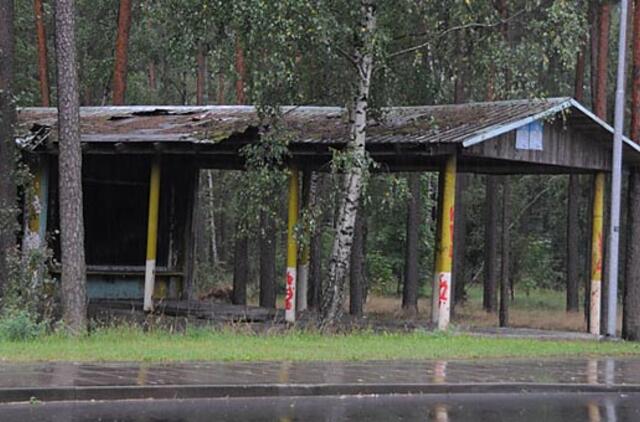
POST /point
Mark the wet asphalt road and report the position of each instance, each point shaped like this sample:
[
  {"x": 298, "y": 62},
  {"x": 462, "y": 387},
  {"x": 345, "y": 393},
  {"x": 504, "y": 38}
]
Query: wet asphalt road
[{"x": 440, "y": 408}]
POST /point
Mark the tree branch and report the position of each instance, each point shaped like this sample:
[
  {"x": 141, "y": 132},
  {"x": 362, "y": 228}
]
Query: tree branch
[{"x": 452, "y": 29}]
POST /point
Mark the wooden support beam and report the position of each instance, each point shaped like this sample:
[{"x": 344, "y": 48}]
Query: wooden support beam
[
  {"x": 152, "y": 234},
  {"x": 444, "y": 250},
  {"x": 596, "y": 254},
  {"x": 292, "y": 246}
]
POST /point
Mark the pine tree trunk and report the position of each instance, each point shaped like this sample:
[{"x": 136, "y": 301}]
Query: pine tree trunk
[
  {"x": 240, "y": 72},
  {"x": 458, "y": 281},
  {"x": 604, "y": 13},
  {"x": 410, "y": 288},
  {"x": 505, "y": 296},
  {"x": 315, "y": 245},
  {"x": 489, "y": 301},
  {"x": 212, "y": 219},
  {"x": 333, "y": 296},
  {"x": 151, "y": 76},
  {"x": 122, "y": 52},
  {"x": 631, "y": 305},
  {"x": 201, "y": 75},
  {"x": 73, "y": 277},
  {"x": 573, "y": 239},
  {"x": 7, "y": 144},
  {"x": 267, "y": 260},
  {"x": 631, "y": 308},
  {"x": 573, "y": 203},
  {"x": 41, "y": 44},
  {"x": 240, "y": 268},
  {"x": 357, "y": 268}
]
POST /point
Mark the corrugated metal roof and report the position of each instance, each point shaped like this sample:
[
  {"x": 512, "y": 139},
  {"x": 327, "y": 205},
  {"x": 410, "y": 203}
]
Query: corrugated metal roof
[{"x": 461, "y": 123}]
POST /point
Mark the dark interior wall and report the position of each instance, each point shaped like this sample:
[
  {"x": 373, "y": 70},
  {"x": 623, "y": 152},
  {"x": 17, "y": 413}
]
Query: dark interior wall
[
  {"x": 116, "y": 195},
  {"x": 116, "y": 192}
]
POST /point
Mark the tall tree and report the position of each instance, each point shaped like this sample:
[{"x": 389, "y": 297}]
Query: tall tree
[
  {"x": 410, "y": 287},
  {"x": 631, "y": 308},
  {"x": 505, "y": 273},
  {"x": 7, "y": 143},
  {"x": 362, "y": 59},
  {"x": 122, "y": 52},
  {"x": 573, "y": 202},
  {"x": 70, "y": 172},
  {"x": 241, "y": 247},
  {"x": 201, "y": 74},
  {"x": 41, "y": 43}
]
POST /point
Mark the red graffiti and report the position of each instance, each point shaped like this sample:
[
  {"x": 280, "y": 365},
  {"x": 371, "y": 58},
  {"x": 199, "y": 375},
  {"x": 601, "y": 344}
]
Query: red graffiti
[
  {"x": 443, "y": 287},
  {"x": 451, "y": 217},
  {"x": 598, "y": 253},
  {"x": 288, "y": 299}
]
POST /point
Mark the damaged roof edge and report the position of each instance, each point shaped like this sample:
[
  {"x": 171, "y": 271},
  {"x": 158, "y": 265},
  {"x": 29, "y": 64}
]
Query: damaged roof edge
[
  {"x": 568, "y": 103},
  {"x": 500, "y": 130}
]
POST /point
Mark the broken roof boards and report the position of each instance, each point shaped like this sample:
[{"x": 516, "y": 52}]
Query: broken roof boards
[{"x": 488, "y": 137}]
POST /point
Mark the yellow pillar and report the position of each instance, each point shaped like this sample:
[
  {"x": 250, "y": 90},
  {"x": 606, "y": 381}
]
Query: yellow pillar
[
  {"x": 152, "y": 234},
  {"x": 444, "y": 251},
  {"x": 292, "y": 247},
  {"x": 596, "y": 254}
]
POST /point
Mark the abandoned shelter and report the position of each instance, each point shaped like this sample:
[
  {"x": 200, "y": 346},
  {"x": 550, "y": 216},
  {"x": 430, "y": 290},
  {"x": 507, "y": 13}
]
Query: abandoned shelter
[{"x": 141, "y": 167}]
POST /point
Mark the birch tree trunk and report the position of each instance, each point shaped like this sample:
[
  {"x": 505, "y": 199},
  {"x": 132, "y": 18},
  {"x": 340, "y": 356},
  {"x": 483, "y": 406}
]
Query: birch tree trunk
[
  {"x": 74, "y": 301},
  {"x": 333, "y": 297},
  {"x": 122, "y": 52},
  {"x": 7, "y": 145},
  {"x": 41, "y": 44}
]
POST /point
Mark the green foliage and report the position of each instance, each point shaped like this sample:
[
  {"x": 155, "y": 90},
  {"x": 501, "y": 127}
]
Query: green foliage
[{"x": 19, "y": 325}]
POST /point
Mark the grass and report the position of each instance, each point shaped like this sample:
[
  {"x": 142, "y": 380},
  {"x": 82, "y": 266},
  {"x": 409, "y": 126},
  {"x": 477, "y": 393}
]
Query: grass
[
  {"x": 539, "y": 308},
  {"x": 131, "y": 344}
]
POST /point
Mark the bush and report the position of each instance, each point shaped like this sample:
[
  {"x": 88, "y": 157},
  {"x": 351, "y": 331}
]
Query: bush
[{"x": 19, "y": 325}]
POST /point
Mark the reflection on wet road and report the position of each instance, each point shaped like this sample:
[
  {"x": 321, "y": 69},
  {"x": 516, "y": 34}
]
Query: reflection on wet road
[{"x": 440, "y": 408}]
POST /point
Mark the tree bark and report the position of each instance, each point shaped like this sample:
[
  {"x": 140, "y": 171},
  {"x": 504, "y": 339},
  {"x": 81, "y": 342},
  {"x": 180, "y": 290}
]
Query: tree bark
[
  {"x": 315, "y": 246},
  {"x": 201, "y": 75},
  {"x": 635, "y": 75},
  {"x": 573, "y": 203},
  {"x": 212, "y": 220},
  {"x": 352, "y": 182},
  {"x": 631, "y": 305},
  {"x": 73, "y": 277},
  {"x": 241, "y": 248},
  {"x": 631, "y": 308},
  {"x": 240, "y": 268},
  {"x": 505, "y": 296},
  {"x": 7, "y": 144},
  {"x": 240, "y": 72},
  {"x": 573, "y": 238},
  {"x": 152, "y": 77},
  {"x": 458, "y": 281},
  {"x": 41, "y": 43},
  {"x": 489, "y": 301},
  {"x": 604, "y": 13},
  {"x": 122, "y": 52},
  {"x": 267, "y": 260},
  {"x": 411, "y": 276},
  {"x": 357, "y": 268}
]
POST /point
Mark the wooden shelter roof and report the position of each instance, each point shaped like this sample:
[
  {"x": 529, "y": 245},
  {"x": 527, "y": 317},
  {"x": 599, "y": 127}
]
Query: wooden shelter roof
[{"x": 396, "y": 132}]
